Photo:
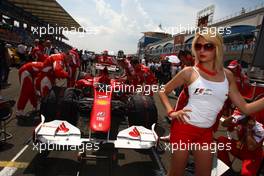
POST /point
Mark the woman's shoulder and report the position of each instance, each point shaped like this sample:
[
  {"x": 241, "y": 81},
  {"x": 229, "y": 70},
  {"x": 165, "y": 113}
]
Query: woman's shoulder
[
  {"x": 188, "y": 69},
  {"x": 187, "y": 72}
]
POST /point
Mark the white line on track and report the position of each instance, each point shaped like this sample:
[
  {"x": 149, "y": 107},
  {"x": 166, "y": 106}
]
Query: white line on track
[{"x": 9, "y": 171}]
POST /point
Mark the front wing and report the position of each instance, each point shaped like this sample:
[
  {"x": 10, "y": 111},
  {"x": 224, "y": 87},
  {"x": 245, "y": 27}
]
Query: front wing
[{"x": 61, "y": 132}]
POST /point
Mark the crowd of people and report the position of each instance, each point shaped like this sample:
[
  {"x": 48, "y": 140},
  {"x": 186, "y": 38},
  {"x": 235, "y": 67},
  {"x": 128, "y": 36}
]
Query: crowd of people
[
  {"x": 239, "y": 45},
  {"x": 164, "y": 69},
  {"x": 38, "y": 66},
  {"x": 17, "y": 55}
]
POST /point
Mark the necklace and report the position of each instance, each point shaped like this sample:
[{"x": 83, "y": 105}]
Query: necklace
[{"x": 205, "y": 70}]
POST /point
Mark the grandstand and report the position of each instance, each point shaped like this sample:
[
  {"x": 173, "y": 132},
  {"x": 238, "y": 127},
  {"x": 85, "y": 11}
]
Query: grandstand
[
  {"x": 244, "y": 26},
  {"x": 18, "y": 18}
]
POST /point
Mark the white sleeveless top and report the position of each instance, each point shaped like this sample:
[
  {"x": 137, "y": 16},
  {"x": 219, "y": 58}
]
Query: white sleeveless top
[{"x": 206, "y": 99}]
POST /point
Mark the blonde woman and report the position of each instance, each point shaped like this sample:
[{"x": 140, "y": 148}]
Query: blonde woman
[{"x": 209, "y": 85}]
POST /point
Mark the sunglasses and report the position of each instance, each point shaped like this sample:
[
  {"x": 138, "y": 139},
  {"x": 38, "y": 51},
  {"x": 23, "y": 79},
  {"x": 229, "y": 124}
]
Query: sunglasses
[{"x": 206, "y": 47}]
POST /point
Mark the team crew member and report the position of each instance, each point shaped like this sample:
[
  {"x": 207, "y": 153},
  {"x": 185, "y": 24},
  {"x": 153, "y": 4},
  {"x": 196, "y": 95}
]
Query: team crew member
[
  {"x": 248, "y": 147},
  {"x": 241, "y": 79},
  {"x": 165, "y": 70},
  {"x": 129, "y": 71},
  {"x": 136, "y": 73},
  {"x": 27, "y": 75},
  {"x": 143, "y": 74},
  {"x": 209, "y": 85},
  {"x": 53, "y": 67},
  {"x": 38, "y": 52},
  {"x": 73, "y": 66}
]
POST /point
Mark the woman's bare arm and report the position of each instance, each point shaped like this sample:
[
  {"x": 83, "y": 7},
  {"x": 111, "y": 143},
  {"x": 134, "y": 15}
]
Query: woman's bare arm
[
  {"x": 183, "y": 77},
  {"x": 239, "y": 101}
]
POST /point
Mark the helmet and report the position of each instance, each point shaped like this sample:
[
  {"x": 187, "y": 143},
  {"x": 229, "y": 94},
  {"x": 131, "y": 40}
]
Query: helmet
[{"x": 120, "y": 54}]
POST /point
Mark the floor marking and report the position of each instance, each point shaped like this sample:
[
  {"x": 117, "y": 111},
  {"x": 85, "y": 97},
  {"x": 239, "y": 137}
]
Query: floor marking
[
  {"x": 13, "y": 164},
  {"x": 9, "y": 170}
]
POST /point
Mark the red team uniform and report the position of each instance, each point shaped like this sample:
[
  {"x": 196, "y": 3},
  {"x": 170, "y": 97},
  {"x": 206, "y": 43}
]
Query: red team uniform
[
  {"x": 73, "y": 65},
  {"x": 53, "y": 67},
  {"x": 251, "y": 159},
  {"x": 38, "y": 53},
  {"x": 27, "y": 75}
]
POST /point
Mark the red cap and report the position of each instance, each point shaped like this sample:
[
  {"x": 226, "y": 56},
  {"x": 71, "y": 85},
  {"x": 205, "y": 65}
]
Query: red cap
[{"x": 233, "y": 64}]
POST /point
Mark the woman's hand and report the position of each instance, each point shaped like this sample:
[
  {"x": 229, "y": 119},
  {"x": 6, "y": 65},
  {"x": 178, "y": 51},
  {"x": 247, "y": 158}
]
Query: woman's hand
[{"x": 180, "y": 115}]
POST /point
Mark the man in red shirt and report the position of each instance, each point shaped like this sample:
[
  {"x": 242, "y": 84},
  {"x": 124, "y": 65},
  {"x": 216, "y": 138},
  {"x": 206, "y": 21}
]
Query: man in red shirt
[
  {"x": 38, "y": 52},
  {"x": 248, "y": 146},
  {"x": 143, "y": 75},
  {"x": 73, "y": 66},
  {"x": 27, "y": 75},
  {"x": 136, "y": 73},
  {"x": 53, "y": 67},
  {"x": 129, "y": 71},
  {"x": 241, "y": 79}
]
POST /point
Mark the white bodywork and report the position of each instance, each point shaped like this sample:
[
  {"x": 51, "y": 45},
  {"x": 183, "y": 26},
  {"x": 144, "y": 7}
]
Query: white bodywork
[
  {"x": 219, "y": 167},
  {"x": 146, "y": 138},
  {"x": 50, "y": 133},
  {"x": 109, "y": 67}
]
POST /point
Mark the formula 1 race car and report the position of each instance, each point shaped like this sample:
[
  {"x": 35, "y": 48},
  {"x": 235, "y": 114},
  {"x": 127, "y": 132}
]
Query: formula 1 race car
[
  {"x": 112, "y": 119},
  {"x": 96, "y": 99}
]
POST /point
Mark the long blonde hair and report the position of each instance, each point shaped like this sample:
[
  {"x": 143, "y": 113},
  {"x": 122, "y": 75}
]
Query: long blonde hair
[{"x": 211, "y": 35}]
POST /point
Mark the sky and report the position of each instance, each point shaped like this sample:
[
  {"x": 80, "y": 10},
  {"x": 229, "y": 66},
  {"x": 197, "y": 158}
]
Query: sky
[{"x": 118, "y": 24}]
